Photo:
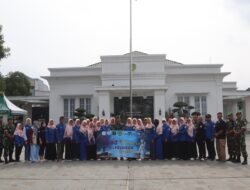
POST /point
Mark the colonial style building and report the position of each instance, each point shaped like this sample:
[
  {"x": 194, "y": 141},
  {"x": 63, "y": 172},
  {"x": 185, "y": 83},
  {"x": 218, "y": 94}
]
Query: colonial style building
[{"x": 103, "y": 88}]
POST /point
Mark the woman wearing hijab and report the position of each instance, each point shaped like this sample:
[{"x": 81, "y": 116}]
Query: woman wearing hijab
[
  {"x": 167, "y": 140},
  {"x": 130, "y": 124},
  {"x": 183, "y": 139},
  {"x": 159, "y": 139},
  {"x": 192, "y": 150},
  {"x": 150, "y": 135},
  {"x": 76, "y": 140},
  {"x": 50, "y": 136},
  {"x": 19, "y": 141},
  {"x": 68, "y": 135},
  {"x": 83, "y": 139},
  {"x": 175, "y": 138},
  {"x": 26, "y": 131},
  {"x": 91, "y": 147},
  {"x": 42, "y": 140},
  {"x": 34, "y": 144}
]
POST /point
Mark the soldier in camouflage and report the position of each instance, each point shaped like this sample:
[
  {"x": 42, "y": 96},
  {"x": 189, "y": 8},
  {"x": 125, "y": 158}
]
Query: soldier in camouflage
[
  {"x": 240, "y": 143},
  {"x": 8, "y": 140},
  {"x": 1, "y": 140},
  {"x": 230, "y": 130}
]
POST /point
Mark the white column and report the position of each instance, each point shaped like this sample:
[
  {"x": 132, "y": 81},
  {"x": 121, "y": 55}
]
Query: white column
[
  {"x": 104, "y": 104},
  {"x": 159, "y": 104}
]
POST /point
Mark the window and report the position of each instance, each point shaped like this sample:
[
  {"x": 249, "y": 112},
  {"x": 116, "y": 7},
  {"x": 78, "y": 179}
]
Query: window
[
  {"x": 197, "y": 103},
  {"x": 65, "y": 108},
  {"x": 204, "y": 105},
  {"x": 68, "y": 108},
  {"x": 184, "y": 99},
  {"x": 88, "y": 105},
  {"x": 200, "y": 104},
  {"x": 82, "y": 104},
  {"x": 85, "y": 103}
]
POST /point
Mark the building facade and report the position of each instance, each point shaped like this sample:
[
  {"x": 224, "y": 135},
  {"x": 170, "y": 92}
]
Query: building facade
[{"x": 103, "y": 88}]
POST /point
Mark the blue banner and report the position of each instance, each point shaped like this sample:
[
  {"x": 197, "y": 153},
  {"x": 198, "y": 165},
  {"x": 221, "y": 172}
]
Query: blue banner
[{"x": 113, "y": 144}]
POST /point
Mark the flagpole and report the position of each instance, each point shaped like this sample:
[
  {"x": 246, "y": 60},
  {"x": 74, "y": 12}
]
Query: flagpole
[{"x": 130, "y": 63}]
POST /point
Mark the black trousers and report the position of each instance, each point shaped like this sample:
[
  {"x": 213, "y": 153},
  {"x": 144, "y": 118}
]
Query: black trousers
[
  {"x": 91, "y": 151},
  {"x": 11, "y": 150},
  {"x": 176, "y": 149},
  {"x": 192, "y": 150},
  {"x": 68, "y": 149},
  {"x": 183, "y": 150},
  {"x": 76, "y": 150},
  {"x": 202, "y": 148},
  {"x": 42, "y": 149},
  {"x": 1, "y": 150},
  {"x": 18, "y": 150},
  {"x": 50, "y": 152},
  {"x": 210, "y": 149},
  {"x": 167, "y": 150}
]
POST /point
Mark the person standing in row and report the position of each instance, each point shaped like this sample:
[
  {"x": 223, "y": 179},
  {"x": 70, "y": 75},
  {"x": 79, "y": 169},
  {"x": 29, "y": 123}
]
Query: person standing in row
[
  {"x": 42, "y": 140},
  {"x": 34, "y": 143},
  {"x": 60, "y": 130},
  {"x": 76, "y": 139},
  {"x": 50, "y": 135},
  {"x": 200, "y": 137},
  {"x": 209, "y": 126},
  {"x": 83, "y": 139},
  {"x": 159, "y": 139},
  {"x": 91, "y": 147},
  {"x": 19, "y": 141},
  {"x": 192, "y": 150},
  {"x": 150, "y": 135},
  {"x": 175, "y": 149},
  {"x": 220, "y": 135},
  {"x": 240, "y": 141},
  {"x": 166, "y": 143},
  {"x": 183, "y": 139},
  {"x": 26, "y": 130},
  {"x": 8, "y": 141},
  {"x": 1, "y": 140},
  {"x": 68, "y": 135},
  {"x": 230, "y": 137}
]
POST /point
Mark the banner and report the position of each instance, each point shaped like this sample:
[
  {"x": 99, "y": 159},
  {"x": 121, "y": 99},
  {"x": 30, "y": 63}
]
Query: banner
[{"x": 113, "y": 144}]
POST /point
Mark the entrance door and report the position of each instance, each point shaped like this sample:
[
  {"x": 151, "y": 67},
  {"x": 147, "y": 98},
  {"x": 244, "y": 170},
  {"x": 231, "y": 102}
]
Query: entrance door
[{"x": 142, "y": 107}]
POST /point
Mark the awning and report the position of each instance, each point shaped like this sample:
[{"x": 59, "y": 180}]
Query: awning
[{"x": 7, "y": 107}]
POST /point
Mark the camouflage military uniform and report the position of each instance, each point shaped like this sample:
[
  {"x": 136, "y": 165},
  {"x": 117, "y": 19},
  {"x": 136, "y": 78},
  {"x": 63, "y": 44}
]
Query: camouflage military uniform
[
  {"x": 1, "y": 143},
  {"x": 240, "y": 143},
  {"x": 230, "y": 129},
  {"x": 8, "y": 143}
]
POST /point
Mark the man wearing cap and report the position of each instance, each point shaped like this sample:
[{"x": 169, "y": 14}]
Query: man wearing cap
[
  {"x": 240, "y": 143},
  {"x": 8, "y": 140},
  {"x": 230, "y": 137}
]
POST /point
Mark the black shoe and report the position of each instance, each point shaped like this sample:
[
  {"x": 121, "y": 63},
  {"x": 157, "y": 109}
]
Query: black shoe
[
  {"x": 1, "y": 161},
  {"x": 229, "y": 159},
  {"x": 6, "y": 161},
  {"x": 245, "y": 161}
]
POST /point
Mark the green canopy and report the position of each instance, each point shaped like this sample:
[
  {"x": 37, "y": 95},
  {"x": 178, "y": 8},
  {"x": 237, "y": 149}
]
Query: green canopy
[{"x": 8, "y": 108}]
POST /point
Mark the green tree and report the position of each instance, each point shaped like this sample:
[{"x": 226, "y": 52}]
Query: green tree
[
  {"x": 17, "y": 84},
  {"x": 2, "y": 83},
  {"x": 4, "y": 51}
]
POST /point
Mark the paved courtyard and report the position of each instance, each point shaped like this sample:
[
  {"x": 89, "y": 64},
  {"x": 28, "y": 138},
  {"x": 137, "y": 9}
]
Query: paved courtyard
[{"x": 125, "y": 175}]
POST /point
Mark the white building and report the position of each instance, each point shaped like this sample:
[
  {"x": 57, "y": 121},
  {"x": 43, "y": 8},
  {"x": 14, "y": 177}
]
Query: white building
[{"x": 103, "y": 88}]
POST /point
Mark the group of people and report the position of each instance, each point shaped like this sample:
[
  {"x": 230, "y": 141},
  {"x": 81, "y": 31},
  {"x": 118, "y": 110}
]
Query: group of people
[{"x": 169, "y": 138}]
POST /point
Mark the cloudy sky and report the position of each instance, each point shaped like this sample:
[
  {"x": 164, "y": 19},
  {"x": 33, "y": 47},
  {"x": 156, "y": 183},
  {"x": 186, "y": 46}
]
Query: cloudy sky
[{"x": 66, "y": 33}]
